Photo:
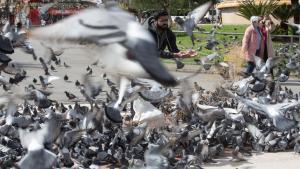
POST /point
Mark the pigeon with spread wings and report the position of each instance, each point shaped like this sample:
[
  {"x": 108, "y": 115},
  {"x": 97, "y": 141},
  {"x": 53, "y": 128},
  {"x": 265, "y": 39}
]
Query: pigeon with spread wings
[
  {"x": 120, "y": 40},
  {"x": 193, "y": 18},
  {"x": 295, "y": 26}
]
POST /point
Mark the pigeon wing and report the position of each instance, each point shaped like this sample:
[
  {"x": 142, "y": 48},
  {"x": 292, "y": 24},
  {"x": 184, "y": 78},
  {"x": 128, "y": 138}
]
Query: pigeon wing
[
  {"x": 198, "y": 13},
  {"x": 92, "y": 25}
]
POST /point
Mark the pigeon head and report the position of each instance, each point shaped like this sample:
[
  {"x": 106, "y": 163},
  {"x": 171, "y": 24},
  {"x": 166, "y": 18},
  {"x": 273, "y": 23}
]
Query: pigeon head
[{"x": 179, "y": 20}]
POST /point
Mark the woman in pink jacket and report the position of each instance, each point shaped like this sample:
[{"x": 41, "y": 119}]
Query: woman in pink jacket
[{"x": 253, "y": 43}]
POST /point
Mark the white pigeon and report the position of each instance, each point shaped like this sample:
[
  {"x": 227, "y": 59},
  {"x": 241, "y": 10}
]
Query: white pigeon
[
  {"x": 294, "y": 25},
  {"x": 146, "y": 112}
]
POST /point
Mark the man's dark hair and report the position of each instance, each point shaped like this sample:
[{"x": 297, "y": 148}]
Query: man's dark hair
[{"x": 160, "y": 13}]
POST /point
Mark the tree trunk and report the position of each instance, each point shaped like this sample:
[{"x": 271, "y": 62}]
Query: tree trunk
[
  {"x": 296, "y": 7},
  {"x": 168, "y": 9},
  {"x": 285, "y": 27}
]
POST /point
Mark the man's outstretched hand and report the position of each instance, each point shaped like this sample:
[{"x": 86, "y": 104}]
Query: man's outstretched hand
[{"x": 186, "y": 54}]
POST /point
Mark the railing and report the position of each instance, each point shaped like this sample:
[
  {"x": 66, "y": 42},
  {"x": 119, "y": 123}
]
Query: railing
[{"x": 292, "y": 37}]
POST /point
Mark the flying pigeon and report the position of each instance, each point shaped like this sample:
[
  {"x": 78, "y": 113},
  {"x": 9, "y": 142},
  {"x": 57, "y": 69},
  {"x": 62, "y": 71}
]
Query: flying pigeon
[
  {"x": 193, "y": 18},
  {"x": 295, "y": 26},
  {"x": 121, "y": 41},
  {"x": 118, "y": 41}
]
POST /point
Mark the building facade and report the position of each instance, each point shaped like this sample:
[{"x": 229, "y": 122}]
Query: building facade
[{"x": 229, "y": 10}]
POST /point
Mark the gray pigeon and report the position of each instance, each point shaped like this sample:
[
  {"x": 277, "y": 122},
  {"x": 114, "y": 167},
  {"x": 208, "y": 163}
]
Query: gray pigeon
[
  {"x": 121, "y": 41},
  {"x": 274, "y": 112},
  {"x": 37, "y": 156},
  {"x": 193, "y": 18},
  {"x": 5, "y": 45}
]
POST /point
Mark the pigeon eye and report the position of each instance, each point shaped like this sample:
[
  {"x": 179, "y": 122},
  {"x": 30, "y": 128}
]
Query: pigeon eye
[{"x": 130, "y": 56}]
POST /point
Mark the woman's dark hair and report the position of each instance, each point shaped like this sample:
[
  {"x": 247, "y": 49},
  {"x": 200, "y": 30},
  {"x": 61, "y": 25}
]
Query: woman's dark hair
[{"x": 160, "y": 13}]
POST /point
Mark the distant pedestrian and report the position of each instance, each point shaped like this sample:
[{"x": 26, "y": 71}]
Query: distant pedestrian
[{"x": 252, "y": 44}]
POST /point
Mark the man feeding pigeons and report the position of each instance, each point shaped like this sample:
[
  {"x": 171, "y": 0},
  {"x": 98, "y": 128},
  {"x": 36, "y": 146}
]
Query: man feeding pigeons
[{"x": 164, "y": 37}]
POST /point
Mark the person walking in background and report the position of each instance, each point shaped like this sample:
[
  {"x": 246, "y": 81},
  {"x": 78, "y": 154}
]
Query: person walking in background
[
  {"x": 268, "y": 27},
  {"x": 252, "y": 44},
  {"x": 34, "y": 16},
  {"x": 9, "y": 27}
]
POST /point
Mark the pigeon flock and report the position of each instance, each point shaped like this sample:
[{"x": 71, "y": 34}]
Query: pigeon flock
[{"x": 139, "y": 121}]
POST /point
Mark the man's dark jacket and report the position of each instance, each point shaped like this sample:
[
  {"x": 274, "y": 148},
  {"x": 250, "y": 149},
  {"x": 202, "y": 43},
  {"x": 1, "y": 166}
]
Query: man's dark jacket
[{"x": 166, "y": 39}]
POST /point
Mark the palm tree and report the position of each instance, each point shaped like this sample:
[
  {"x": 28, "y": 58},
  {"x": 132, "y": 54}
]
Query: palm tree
[
  {"x": 296, "y": 7},
  {"x": 249, "y": 8},
  {"x": 283, "y": 13}
]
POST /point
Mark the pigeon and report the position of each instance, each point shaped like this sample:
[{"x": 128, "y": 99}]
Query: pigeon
[
  {"x": 193, "y": 18},
  {"x": 66, "y": 78},
  {"x": 52, "y": 68},
  {"x": 45, "y": 81},
  {"x": 136, "y": 134},
  {"x": 121, "y": 35},
  {"x": 17, "y": 79},
  {"x": 156, "y": 94},
  {"x": 274, "y": 112},
  {"x": 88, "y": 68},
  {"x": 44, "y": 66},
  {"x": 70, "y": 96},
  {"x": 210, "y": 113},
  {"x": 121, "y": 41},
  {"x": 4, "y": 60},
  {"x": 237, "y": 155},
  {"x": 66, "y": 66},
  {"x": 292, "y": 64},
  {"x": 34, "y": 80},
  {"x": 5, "y": 82},
  {"x": 146, "y": 112},
  {"x": 92, "y": 90},
  {"x": 179, "y": 64},
  {"x": 27, "y": 48},
  {"x": 154, "y": 159},
  {"x": 297, "y": 26},
  {"x": 90, "y": 72},
  {"x": 5, "y": 45},
  {"x": 209, "y": 58},
  {"x": 242, "y": 85},
  {"x": 40, "y": 98},
  {"x": 37, "y": 156},
  {"x": 297, "y": 145},
  {"x": 95, "y": 63},
  {"x": 77, "y": 83},
  {"x": 50, "y": 54}
]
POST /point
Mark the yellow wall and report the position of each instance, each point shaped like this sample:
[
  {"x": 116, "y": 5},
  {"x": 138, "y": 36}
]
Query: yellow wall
[{"x": 229, "y": 11}]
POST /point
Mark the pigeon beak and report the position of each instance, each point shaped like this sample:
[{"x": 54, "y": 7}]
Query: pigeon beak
[{"x": 145, "y": 52}]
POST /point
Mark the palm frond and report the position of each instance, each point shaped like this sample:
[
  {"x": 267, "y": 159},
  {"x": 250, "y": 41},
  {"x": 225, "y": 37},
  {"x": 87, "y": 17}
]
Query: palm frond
[
  {"x": 283, "y": 12},
  {"x": 249, "y": 8}
]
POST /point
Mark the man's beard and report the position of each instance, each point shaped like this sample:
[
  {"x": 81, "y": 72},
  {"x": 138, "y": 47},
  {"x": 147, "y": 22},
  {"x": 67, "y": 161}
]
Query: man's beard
[{"x": 165, "y": 26}]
